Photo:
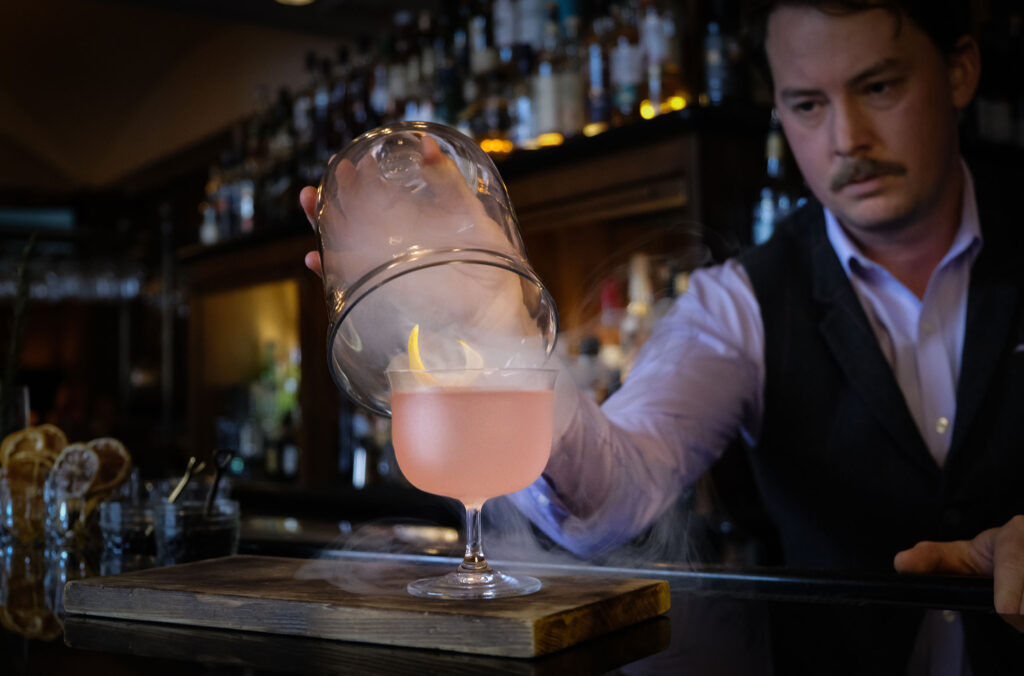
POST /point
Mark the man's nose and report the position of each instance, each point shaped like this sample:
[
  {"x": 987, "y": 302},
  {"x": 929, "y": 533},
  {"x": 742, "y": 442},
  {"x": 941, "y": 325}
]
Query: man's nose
[{"x": 852, "y": 135}]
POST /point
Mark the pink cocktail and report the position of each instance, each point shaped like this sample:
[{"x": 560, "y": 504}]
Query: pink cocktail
[
  {"x": 472, "y": 435},
  {"x": 472, "y": 444}
]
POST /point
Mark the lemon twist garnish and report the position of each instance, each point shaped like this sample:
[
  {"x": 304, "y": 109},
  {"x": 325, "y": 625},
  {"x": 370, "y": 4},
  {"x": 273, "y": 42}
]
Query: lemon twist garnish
[
  {"x": 415, "y": 361},
  {"x": 473, "y": 360}
]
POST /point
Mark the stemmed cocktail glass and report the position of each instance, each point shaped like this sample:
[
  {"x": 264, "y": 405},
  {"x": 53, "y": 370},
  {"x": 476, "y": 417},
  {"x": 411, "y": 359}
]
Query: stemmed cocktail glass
[
  {"x": 418, "y": 241},
  {"x": 472, "y": 434}
]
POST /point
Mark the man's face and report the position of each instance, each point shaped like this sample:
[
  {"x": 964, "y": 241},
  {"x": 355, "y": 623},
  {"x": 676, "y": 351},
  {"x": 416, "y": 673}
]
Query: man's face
[{"x": 869, "y": 112}]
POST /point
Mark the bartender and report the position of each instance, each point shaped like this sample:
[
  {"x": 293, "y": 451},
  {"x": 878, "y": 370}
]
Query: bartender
[{"x": 871, "y": 354}]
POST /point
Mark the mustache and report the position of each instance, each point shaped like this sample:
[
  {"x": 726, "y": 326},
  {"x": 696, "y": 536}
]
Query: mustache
[{"x": 862, "y": 169}]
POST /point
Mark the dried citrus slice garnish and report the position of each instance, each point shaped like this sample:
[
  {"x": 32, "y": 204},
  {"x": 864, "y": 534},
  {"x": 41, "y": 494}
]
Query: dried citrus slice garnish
[
  {"x": 54, "y": 438},
  {"x": 22, "y": 486},
  {"x": 38, "y": 623},
  {"x": 26, "y": 469},
  {"x": 115, "y": 463},
  {"x": 28, "y": 439},
  {"x": 75, "y": 470}
]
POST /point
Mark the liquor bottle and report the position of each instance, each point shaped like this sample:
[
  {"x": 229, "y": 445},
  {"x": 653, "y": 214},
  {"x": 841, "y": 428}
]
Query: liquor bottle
[
  {"x": 339, "y": 131},
  {"x": 503, "y": 20},
  {"x": 495, "y": 120},
  {"x": 256, "y": 134},
  {"x": 246, "y": 187},
  {"x": 426, "y": 79},
  {"x": 278, "y": 182},
  {"x": 208, "y": 229},
  {"x": 721, "y": 56},
  {"x": 272, "y": 460},
  {"x": 598, "y": 108},
  {"x": 360, "y": 113},
  {"x": 302, "y": 108},
  {"x": 774, "y": 201},
  {"x": 288, "y": 449},
  {"x": 321, "y": 121},
  {"x": 398, "y": 95},
  {"x": 531, "y": 16},
  {"x": 523, "y": 132},
  {"x": 460, "y": 37},
  {"x": 675, "y": 89},
  {"x": 545, "y": 84},
  {"x": 483, "y": 56},
  {"x": 714, "y": 65},
  {"x": 626, "y": 67},
  {"x": 448, "y": 101},
  {"x": 654, "y": 48},
  {"x": 571, "y": 97},
  {"x": 379, "y": 97}
]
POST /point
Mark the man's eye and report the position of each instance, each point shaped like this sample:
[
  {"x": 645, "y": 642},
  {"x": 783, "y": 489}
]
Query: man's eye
[
  {"x": 881, "y": 87},
  {"x": 805, "y": 107}
]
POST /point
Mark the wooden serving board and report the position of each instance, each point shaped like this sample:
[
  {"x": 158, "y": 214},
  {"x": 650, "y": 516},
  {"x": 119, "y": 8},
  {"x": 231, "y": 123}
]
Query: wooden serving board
[
  {"x": 366, "y": 601},
  {"x": 267, "y": 653}
]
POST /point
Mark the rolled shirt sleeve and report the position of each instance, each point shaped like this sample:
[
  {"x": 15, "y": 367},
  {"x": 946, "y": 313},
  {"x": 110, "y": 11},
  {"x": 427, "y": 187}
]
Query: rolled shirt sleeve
[{"x": 697, "y": 382}]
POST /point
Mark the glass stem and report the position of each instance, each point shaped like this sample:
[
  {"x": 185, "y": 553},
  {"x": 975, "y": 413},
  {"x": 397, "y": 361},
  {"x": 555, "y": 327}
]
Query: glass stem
[{"x": 474, "y": 561}]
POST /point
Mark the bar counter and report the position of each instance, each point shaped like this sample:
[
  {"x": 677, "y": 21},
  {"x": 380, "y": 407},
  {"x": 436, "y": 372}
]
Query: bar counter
[{"x": 722, "y": 621}]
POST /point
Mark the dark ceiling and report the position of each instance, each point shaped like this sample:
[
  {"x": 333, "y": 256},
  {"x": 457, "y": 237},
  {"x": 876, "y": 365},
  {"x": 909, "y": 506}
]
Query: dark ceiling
[
  {"x": 333, "y": 18},
  {"x": 93, "y": 90}
]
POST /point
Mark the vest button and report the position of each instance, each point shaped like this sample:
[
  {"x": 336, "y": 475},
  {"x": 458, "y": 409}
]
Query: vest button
[{"x": 952, "y": 517}]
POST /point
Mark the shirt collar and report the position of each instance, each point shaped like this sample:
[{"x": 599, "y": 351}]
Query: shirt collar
[{"x": 968, "y": 235}]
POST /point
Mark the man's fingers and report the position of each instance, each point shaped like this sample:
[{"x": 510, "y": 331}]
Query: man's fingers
[
  {"x": 1008, "y": 573},
  {"x": 307, "y": 198},
  {"x": 938, "y": 557},
  {"x": 444, "y": 178},
  {"x": 313, "y": 263},
  {"x": 998, "y": 552},
  {"x": 431, "y": 151}
]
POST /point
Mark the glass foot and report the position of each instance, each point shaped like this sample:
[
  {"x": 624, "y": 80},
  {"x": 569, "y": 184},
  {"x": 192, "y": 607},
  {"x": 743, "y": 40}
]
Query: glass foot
[{"x": 462, "y": 585}]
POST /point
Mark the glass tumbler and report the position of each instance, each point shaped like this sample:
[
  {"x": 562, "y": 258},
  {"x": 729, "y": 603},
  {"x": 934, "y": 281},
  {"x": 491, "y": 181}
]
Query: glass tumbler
[
  {"x": 419, "y": 244},
  {"x": 129, "y": 538},
  {"x": 185, "y": 532}
]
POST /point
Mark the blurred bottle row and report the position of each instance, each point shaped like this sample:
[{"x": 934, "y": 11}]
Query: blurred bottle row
[{"x": 512, "y": 74}]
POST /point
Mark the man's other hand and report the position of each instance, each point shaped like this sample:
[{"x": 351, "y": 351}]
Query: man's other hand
[{"x": 998, "y": 552}]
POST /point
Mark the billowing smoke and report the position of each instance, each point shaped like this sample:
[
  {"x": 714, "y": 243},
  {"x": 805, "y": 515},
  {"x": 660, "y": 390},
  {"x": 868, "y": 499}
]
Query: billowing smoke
[
  {"x": 676, "y": 532},
  {"x": 413, "y": 233}
]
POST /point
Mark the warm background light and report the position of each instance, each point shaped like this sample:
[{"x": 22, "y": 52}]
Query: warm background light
[{"x": 240, "y": 323}]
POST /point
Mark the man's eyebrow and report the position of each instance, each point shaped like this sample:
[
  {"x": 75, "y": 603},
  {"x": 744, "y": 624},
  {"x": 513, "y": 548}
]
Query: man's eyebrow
[
  {"x": 868, "y": 73},
  {"x": 874, "y": 71},
  {"x": 787, "y": 94}
]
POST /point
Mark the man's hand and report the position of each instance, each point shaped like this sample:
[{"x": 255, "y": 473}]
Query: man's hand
[
  {"x": 998, "y": 552},
  {"x": 307, "y": 198}
]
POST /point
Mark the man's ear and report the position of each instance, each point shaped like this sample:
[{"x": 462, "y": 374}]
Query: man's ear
[{"x": 964, "y": 63}]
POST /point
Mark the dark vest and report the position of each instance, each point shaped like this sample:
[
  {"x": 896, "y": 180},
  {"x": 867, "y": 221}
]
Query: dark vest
[{"x": 841, "y": 468}]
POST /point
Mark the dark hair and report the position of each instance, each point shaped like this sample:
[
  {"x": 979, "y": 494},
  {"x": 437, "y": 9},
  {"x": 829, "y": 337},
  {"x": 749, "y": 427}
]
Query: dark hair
[{"x": 943, "y": 21}]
